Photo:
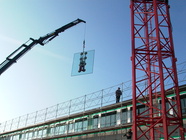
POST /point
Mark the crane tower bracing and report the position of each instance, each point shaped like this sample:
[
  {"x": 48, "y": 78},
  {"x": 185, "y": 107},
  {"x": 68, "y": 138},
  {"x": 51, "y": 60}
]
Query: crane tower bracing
[
  {"x": 153, "y": 56},
  {"x": 13, "y": 57}
]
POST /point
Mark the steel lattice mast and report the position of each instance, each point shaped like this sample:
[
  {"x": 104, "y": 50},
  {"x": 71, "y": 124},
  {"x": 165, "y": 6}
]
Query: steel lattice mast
[{"x": 153, "y": 57}]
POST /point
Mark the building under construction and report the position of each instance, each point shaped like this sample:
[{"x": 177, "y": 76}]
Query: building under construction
[{"x": 94, "y": 116}]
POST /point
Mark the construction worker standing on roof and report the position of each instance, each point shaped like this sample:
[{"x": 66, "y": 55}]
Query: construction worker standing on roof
[{"x": 118, "y": 94}]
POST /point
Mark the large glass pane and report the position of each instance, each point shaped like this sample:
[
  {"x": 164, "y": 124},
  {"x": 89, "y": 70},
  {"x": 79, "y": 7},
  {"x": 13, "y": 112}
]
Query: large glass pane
[{"x": 83, "y": 63}]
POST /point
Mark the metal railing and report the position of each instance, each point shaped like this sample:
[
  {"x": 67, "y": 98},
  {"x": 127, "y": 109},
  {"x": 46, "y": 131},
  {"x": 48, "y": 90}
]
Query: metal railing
[{"x": 87, "y": 102}]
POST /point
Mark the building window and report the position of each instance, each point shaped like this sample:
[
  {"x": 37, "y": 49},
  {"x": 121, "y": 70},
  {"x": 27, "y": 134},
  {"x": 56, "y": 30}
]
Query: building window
[
  {"x": 160, "y": 107},
  {"x": 80, "y": 125},
  {"x": 61, "y": 128},
  {"x": 30, "y": 134},
  {"x": 108, "y": 119},
  {"x": 95, "y": 121},
  {"x": 183, "y": 104},
  {"x": 70, "y": 127},
  {"x": 40, "y": 133},
  {"x": 52, "y": 130},
  {"x": 131, "y": 114},
  {"x": 44, "y": 132},
  {"x": 85, "y": 124},
  {"x": 124, "y": 116},
  {"x": 142, "y": 110}
]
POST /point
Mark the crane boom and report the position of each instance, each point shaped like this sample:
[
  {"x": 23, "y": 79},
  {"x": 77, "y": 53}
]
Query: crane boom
[{"x": 24, "y": 48}]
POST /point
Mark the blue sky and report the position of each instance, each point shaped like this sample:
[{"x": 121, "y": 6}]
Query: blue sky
[{"x": 42, "y": 77}]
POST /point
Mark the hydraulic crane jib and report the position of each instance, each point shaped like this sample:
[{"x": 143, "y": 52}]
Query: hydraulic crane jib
[{"x": 13, "y": 57}]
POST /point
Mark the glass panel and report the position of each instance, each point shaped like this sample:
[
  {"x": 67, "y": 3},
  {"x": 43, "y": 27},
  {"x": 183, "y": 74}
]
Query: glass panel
[{"x": 83, "y": 63}]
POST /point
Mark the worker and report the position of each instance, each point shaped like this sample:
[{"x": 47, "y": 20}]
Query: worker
[
  {"x": 128, "y": 134},
  {"x": 118, "y": 94}
]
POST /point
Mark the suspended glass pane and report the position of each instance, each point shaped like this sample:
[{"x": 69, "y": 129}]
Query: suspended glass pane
[{"x": 83, "y": 63}]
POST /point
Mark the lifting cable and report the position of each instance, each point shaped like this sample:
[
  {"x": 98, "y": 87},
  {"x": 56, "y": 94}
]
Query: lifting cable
[
  {"x": 83, "y": 56},
  {"x": 84, "y": 37}
]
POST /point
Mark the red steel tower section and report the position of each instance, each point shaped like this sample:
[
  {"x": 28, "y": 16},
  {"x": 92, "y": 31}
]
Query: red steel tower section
[{"x": 155, "y": 114}]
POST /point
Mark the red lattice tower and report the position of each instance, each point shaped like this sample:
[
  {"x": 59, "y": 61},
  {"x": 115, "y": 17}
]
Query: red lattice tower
[{"x": 153, "y": 58}]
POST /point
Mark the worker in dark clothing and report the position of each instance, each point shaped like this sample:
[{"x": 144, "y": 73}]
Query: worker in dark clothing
[
  {"x": 128, "y": 134},
  {"x": 118, "y": 94}
]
